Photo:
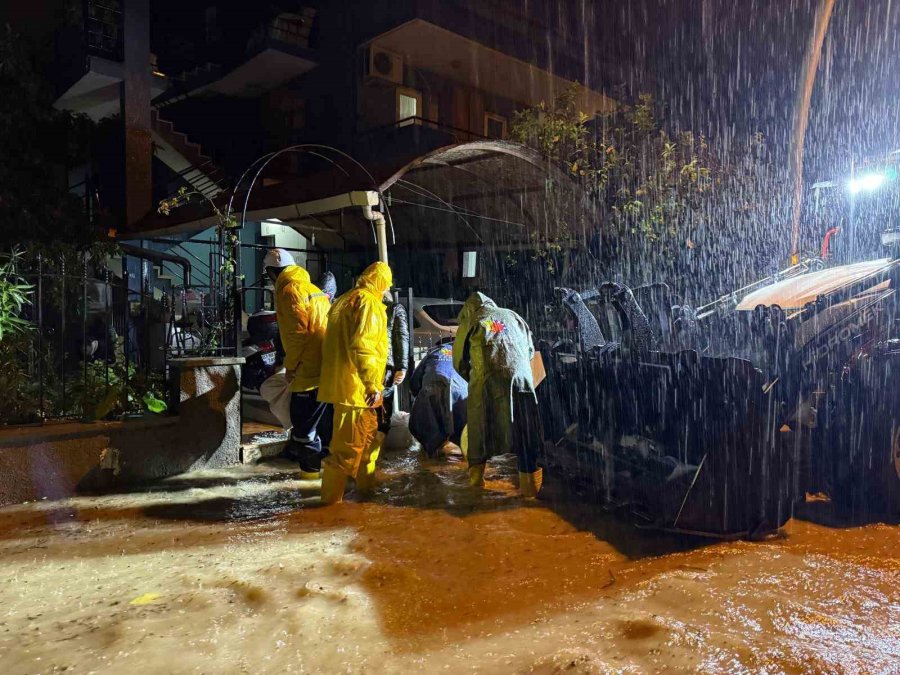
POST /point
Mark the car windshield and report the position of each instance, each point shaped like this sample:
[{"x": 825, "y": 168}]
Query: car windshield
[{"x": 445, "y": 314}]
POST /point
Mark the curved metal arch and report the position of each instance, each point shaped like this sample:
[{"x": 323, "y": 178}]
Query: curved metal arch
[
  {"x": 439, "y": 158},
  {"x": 304, "y": 148}
]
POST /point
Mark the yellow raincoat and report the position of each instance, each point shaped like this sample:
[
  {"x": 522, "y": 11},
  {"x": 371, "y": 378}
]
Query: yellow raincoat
[
  {"x": 354, "y": 355},
  {"x": 354, "y": 358},
  {"x": 302, "y": 312}
]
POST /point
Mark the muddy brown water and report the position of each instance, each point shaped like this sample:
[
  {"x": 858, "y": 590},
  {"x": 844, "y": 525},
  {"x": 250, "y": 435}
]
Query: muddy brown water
[{"x": 241, "y": 571}]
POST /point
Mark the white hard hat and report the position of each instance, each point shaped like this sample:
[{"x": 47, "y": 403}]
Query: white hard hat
[{"x": 278, "y": 257}]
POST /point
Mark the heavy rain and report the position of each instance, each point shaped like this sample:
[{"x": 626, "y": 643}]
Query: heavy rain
[{"x": 545, "y": 336}]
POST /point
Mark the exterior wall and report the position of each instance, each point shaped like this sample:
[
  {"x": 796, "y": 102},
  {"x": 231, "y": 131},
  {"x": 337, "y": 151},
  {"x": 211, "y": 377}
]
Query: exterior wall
[
  {"x": 443, "y": 101},
  {"x": 61, "y": 460},
  {"x": 286, "y": 237}
]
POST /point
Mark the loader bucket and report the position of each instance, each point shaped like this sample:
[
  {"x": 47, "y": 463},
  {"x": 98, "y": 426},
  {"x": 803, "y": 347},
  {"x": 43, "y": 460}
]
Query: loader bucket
[{"x": 691, "y": 442}]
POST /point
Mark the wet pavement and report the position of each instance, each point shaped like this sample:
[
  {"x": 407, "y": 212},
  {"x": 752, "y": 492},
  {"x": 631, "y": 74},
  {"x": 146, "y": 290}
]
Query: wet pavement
[{"x": 240, "y": 570}]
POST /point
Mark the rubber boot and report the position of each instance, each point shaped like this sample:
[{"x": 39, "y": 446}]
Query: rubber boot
[
  {"x": 310, "y": 462},
  {"x": 365, "y": 476},
  {"x": 476, "y": 475},
  {"x": 530, "y": 483},
  {"x": 464, "y": 442},
  {"x": 445, "y": 450},
  {"x": 334, "y": 481}
]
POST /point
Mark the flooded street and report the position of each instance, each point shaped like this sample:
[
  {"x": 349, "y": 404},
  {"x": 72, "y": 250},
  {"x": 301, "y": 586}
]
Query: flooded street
[
  {"x": 647, "y": 250},
  {"x": 241, "y": 571}
]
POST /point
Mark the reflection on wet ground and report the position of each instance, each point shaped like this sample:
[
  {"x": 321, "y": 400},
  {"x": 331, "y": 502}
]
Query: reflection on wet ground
[{"x": 240, "y": 570}]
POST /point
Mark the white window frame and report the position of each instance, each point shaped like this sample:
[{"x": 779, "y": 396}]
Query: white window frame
[
  {"x": 493, "y": 117},
  {"x": 410, "y": 93}
]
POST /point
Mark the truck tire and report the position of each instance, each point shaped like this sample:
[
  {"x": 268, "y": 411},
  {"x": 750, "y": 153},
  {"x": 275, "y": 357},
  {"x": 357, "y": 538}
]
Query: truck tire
[{"x": 865, "y": 464}]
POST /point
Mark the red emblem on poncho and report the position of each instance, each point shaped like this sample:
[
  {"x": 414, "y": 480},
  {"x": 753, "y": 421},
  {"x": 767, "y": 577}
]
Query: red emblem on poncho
[{"x": 494, "y": 327}]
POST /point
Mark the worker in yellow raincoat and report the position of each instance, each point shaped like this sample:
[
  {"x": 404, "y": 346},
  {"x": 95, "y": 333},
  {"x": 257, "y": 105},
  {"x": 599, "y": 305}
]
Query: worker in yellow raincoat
[
  {"x": 354, "y": 357},
  {"x": 301, "y": 309}
]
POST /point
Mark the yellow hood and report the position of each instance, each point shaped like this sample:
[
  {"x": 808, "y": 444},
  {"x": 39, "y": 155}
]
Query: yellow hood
[
  {"x": 376, "y": 278},
  {"x": 354, "y": 354},
  {"x": 291, "y": 274}
]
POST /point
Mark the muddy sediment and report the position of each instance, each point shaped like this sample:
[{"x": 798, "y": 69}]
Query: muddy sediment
[{"x": 241, "y": 571}]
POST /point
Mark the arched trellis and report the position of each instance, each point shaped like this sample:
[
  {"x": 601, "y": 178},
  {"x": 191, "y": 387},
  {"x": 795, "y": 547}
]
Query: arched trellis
[
  {"x": 454, "y": 159},
  {"x": 256, "y": 168}
]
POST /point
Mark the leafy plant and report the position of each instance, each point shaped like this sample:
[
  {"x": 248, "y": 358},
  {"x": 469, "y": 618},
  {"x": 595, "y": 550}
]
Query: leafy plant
[
  {"x": 660, "y": 202},
  {"x": 15, "y": 294},
  {"x": 19, "y": 389},
  {"x": 102, "y": 389}
]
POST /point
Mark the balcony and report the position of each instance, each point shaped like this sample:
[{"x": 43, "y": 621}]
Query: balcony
[
  {"x": 277, "y": 51},
  {"x": 103, "y": 29},
  {"x": 411, "y": 138},
  {"x": 462, "y": 59},
  {"x": 89, "y": 61}
]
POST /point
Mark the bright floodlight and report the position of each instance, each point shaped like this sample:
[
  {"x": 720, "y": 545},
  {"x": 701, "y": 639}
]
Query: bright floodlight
[{"x": 868, "y": 182}]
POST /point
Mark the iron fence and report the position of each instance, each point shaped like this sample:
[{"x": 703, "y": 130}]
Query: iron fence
[{"x": 100, "y": 340}]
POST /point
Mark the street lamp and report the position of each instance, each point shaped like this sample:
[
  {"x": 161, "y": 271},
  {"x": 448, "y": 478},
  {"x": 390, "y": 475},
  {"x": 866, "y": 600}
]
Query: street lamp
[{"x": 868, "y": 182}]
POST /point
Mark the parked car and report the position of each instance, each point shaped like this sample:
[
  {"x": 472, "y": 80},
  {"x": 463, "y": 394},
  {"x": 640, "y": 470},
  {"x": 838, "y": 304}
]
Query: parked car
[{"x": 432, "y": 320}]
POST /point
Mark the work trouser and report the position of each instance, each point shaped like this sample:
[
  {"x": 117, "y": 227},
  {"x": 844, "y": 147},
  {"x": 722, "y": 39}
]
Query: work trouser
[
  {"x": 431, "y": 417},
  {"x": 311, "y": 422},
  {"x": 386, "y": 411},
  {"x": 355, "y": 444},
  {"x": 526, "y": 434}
]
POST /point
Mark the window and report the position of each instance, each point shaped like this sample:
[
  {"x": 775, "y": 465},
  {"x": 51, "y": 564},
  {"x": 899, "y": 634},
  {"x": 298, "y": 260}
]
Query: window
[
  {"x": 409, "y": 106},
  {"x": 494, "y": 126},
  {"x": 469, "y": 261},
  {"x": 211, "y": 23}
]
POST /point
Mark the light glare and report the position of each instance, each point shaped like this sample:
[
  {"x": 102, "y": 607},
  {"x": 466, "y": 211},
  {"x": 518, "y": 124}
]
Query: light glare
[{"x": 869, "y": 182}]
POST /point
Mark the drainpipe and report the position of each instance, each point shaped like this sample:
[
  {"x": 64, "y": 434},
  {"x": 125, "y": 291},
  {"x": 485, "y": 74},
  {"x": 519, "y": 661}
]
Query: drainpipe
[{"x": 380, "y": 230}]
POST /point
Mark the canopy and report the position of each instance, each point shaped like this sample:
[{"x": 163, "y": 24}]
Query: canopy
[{"x": 473, "y": 194}]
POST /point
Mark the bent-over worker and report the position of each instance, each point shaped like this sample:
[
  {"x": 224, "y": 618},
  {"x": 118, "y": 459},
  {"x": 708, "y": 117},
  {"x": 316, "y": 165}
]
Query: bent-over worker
[
  {"x": 302, "y": 312},
  {"x": 492, "y": 350},
  {"x": 438, "y": 414},
  {"x": 354, "y": 357}
]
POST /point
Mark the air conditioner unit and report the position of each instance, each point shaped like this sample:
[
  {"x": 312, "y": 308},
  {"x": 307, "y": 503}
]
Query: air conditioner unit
[{"x": 385, "y": 65}]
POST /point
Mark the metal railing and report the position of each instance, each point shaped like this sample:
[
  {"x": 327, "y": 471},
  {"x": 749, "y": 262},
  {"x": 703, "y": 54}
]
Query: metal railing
[
  {"x": 85, "y": 355},
  {"x": 458, "y": 135},
  {"x": 103, "y": 32},
  {"x": 100, "y": 341},
  {"x": 200, "y": 177},
  {"x": 292, "y": 31}
]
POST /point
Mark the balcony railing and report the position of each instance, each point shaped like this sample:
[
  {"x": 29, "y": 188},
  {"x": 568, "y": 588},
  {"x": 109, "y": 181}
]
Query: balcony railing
[
  {"x": 411, "y": 136},
  {"x": 288, "y": 29},
  {"x": 453, "y": 134},
  {"x": 103, "y": 33}
]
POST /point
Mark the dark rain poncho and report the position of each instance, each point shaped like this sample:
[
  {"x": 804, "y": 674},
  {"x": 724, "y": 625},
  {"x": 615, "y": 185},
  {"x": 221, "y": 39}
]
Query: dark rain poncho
[
  {"x": 493, "y": 351},
  {"x": 328, "y": 284},
  {"x": 439, "y": 411}
]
